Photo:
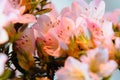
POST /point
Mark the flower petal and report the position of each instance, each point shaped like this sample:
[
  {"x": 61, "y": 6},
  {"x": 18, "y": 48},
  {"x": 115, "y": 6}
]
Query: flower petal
[
  {"x": 3, "y": 36},
  {"x": 3, "y": 59},
  {"x": 107, "y": 69}
]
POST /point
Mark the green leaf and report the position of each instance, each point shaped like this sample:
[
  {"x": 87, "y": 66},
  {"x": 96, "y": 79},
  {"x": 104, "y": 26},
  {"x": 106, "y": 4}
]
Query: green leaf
[
  {"x": 13, "y": 35},
  {"x": 5, "y": 75},
  {"x": 107, "y": 78},
  {"x": 25, "y": 59},
  {"x": 44, "y": 2},
  {"x": 43, "y": 11}
]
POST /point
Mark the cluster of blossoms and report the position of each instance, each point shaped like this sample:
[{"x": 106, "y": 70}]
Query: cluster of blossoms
[{"x": 79, "y": 43}]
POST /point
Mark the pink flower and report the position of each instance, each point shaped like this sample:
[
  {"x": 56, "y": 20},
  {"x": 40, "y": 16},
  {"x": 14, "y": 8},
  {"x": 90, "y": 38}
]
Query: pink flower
[
  {"x": 87, "y": 18},
  {"x": 108, "y": 68},
  {"x": 113, "y": 16},
  {"x": 50, "y": 44},
  {"x": 14, "y": 13},
  {"x": 44, "y": 33},
  {"x": 97, "y": 9},
  {"x": 73, "y": 70},
  {"x": 53, "y": 14},
  {"x": 3, "y": 36},
  {"x": 99, "y": 64},
  {"x": 47, "y": 31},
  {"x": 94, "y": 10},
  {"x": 102, "y": 32},
  {"x": 107, "y": 29},
  {"x": 43, "y": 25},
  {"x": 27, "y": 41},
  {"x": 108, "y": 34},
  {"x": 65, "y": 29},
  {"x": 96, "y": 32}
]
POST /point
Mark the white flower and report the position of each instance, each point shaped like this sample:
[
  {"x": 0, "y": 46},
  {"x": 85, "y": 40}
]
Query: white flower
[
  {"x": 3, "y": 36},
  {"x": 108, "y": 68},
  {"x": 73, "y": 70},
  {"x": 107, "y": 29},
  {"x": 3, "y": 59},
  {"x": 99, "y": 64}
]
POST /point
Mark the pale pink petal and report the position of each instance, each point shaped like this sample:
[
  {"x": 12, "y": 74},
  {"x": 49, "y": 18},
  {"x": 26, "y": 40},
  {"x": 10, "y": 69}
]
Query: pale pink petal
[
  {"x": 22, "y": 9},
  {"x": 53, "y": 14},
  {"x": 65, "y": 29},
  {"x": 27, "y": 40},
  {"x": 95, "y": 76},
  {"x": 65, "y": 10},
  {"x": 108, "y": 68},
  {"x": 102, "y": 55},
  {"x": 55, "y": 53},
  {"x": 97, "y": 9},
  {"x": 2, "y": 5},
  {"x": 107, "y": 29},
  {"x": 82, "y": 28},
  {"x": 100, "y": 10},
  {"x": 3, "y": 59},
  {"x": 3, "y": 20},
  {"x": 26, "y": 18},
  {"x": 113, "y": 16},
  {"x": 3, "y": 36},
  {"x": 69, "y": 13},
  {"x": 43, "y": 24},
  {"x": 117, "y": 43},
  {"x": 73, "y": 70},
  {"x": 99, "y": 54},
  {"x": 97, "y": 2},
  {"x": 82, "y": 3},
  {"x": 50, "y": 43},
  {"x": 81, "y": 8},
  {"x": 76, "y": 9}
]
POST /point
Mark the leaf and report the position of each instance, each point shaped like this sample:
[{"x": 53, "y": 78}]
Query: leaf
[
  {"x": 44, "y": 2},
  {"x": 43, "y": 11},
  {"x": 25, "y": 3},
  {"x": 107, "y": 78},
  {"x": 13, "y": 35},
  {"x": 25, "y": 59},
  {"x": 5, "y": 75},
  {"x": 27, "y": 40}
]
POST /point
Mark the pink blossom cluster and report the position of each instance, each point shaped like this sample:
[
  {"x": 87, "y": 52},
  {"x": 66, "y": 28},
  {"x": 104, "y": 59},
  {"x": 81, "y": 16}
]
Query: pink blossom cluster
[
  {"x": 81, "y": 27},
  {"x": 11, "y": 12},
  {"x": 56, "y": 30}
]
